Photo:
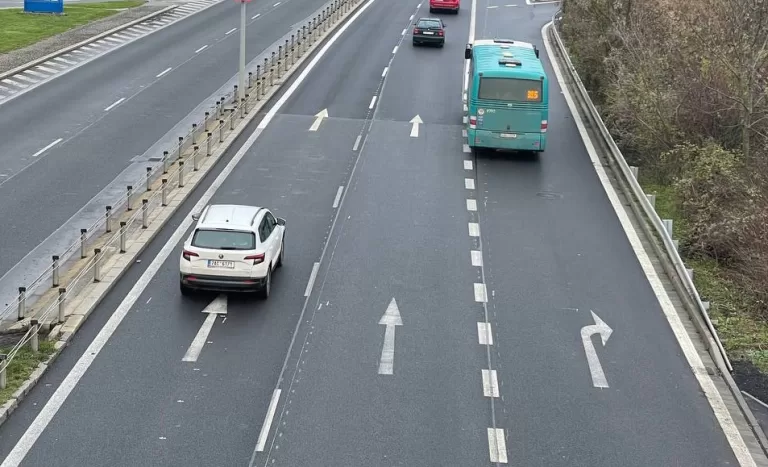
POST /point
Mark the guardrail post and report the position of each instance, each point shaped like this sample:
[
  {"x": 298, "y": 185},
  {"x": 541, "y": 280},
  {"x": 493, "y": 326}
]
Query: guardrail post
[
  {"x": 634, "y": 170},
  {"x": 271, "y": 76},
  {"x": 258, "y": 73},
  {"x": 144, "y": 213},
  {"x": 55, "y": 271},
  {"x": 164, "y": 187},
  {"x": 232, "y": 120},
  {"x": 668, "y": 226},
  {"x": 293, "y": 55},
  {"x": 285, "y": 54},
  {"x": 195, "y": 152},
  {"x": 22, "y": 311},
  {"x": 205, "y": 122},
  {"x": 181, "y": 144},
  {"x": 128, "y": 201},
  {"x": 263, "y": 86},
  {"x": 108, "y": 219},
  {"x": 194, "y": 132},
  {"x": 258, "y": 89},
  {"x": 3, "y": 370},
  {"x": 165, "y": 162},
  {"x": 245, "y": 105},
  {"x": 273, "y": 60},
  {"x": 279, "y": 69},
  {"x": 266, "y": 65},
  {"x": 234, "y": 96},
  {"x": 250, "y": 79},
  {"x": 221, "y": 131},
  {"x": 293, "y": 41},
  {"x": 314, "y": 23},
  {"x": 219, "y": 107},
  {"x": 62, "y": 309},
  {"x": 123, "y": 234},
  {"x": 149, "y": 178},
  {"x": 209, "y": 144},
  {"x": 97, "y": 265},
  {"x": 651, "y": 199},
  {"x": 83, "y": 235},
  {"x": 181, "y": 174},
  {"x": 34, "y": 339}
]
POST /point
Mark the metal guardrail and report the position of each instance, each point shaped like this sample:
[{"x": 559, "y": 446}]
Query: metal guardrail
[
  {"x": 184, "y": 156},
  {"x": 663, "y": 227}
]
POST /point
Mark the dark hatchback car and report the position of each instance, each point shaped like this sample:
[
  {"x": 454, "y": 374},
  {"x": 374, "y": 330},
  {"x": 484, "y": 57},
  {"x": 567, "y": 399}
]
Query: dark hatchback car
[{"x": 429, "y": 31}]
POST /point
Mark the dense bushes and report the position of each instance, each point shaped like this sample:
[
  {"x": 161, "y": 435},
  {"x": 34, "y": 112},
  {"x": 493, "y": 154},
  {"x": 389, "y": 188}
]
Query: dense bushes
[{"x": 681, "y": 85}]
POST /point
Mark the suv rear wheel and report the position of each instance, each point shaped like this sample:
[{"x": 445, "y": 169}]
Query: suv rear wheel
[{"x": 267, "y": 284}]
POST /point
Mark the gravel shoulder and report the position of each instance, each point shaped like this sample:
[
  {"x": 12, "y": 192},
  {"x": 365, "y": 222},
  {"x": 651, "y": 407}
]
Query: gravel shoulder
[{"x": 11, "y": 60}]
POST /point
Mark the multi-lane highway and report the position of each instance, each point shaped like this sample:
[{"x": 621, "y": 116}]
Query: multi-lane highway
[{"x": 478, "y": 273}]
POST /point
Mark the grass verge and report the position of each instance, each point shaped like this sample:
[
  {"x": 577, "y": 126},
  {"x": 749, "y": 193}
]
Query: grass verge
[
  {"x": 18, "y": 29},
  {"x": 733, "y": 310},
  {"x": 23, "y": 364}
]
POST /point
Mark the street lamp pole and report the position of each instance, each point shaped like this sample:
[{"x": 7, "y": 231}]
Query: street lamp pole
[{"x": 241, "y": 85}]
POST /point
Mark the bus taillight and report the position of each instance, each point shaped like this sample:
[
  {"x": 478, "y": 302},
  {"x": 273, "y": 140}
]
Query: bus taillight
[
  {"x": 472, "y": 122},
  {"x": 543, "y": 126}
]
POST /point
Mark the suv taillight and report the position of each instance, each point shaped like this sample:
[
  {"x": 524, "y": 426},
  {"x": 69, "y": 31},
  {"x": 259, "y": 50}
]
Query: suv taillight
[
  {"x": 186, "y": 254},
  {"x": 256, "y": 258},
  {"x": 543, "y": 126},
  {"x": 472, "y": 122}
]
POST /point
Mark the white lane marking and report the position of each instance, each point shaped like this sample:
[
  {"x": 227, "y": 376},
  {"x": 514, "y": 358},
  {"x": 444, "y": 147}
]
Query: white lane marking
[
  {"x": 394, "y": 51},
  {"x": 464, "y": 133},
  {"x": 56, "y": 401},
  {"x": 492, "y": 7},
  {"x": 117, "y": 102},
  {"x": 3, "y": 88},
  {"x": 357, "y": 143},
  {"x": 48, "y": 147},
  {"x": 143, "y": 29},
  {"x": 64, "y": 60},
  {"x": 276, "y": 4},
  {"x": 268, "y": 419},
  {"x": 469, "y": 183},
  {"x": 384, "y": 73},
  {"x": 256, "y": 16},
  {"x": 373, "y": 102},
  {"x": 490, "y": 383},
  {"x": 484, "y": 334},
  {"x": 390, "y": 319},
  {"x": 480, "y": 293},
  {"x": 418, "y": 6},
  {"x": 404, "y": 31},
  {"x": 46, "y": 69},
  {"x": 230, "y": 31},
  {"x": 36, "y": 73},
  {"x": 338, "y": 197},
  {"x": 79, "y": 52},
  {"x": 474, "y": 229},
  {"x": 273, "y": 111},
  {"x": 470, "y": 39},
  {"x": 113, "y": 40},
  {"x": 477, "y": 257},
  {"x": 471, "y": 205},
  {"x": 411, "y": 18},
  {"x": 24, "y": 78},
  {"x": 466, "y": 149},
  {"x": 311, "y": 281},
  {"x": 202, "y": 335},
  {"x": 510, "y": 5},
  {"x": 164, "y": 72},
  {"x": 497, "y": 446},
  {"x": 686, "y": 344},
  {"x": 124, "y": 37},
  {"x": 467, "y": 165},
  {"x": 201, "y": 49}
]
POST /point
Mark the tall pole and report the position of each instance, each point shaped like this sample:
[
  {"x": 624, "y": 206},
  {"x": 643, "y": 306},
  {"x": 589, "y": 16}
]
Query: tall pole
[{"x": 241, "y": 86}]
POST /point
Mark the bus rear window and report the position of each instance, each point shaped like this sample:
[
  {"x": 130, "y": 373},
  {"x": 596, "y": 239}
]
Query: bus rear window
[{"x": 510, "y": 89}]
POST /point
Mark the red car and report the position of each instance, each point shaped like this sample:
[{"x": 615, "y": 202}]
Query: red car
[{"x": 437, "y": 5}]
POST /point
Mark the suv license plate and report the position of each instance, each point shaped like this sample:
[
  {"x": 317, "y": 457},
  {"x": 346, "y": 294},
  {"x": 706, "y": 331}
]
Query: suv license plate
[
  {"x": 508, "y": 135},
  {"x": 214, "y": 263}
]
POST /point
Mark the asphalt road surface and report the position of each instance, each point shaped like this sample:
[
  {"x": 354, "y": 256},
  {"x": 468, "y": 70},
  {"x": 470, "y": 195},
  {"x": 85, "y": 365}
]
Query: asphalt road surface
[
  {"x": 394, "y": 251},
  {"x": 98, "y": 151}
]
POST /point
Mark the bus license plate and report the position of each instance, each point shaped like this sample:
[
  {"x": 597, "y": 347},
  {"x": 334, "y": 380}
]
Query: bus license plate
[
  {"x": 508, "y": 135},
  {"x": 213, "y": 263}
]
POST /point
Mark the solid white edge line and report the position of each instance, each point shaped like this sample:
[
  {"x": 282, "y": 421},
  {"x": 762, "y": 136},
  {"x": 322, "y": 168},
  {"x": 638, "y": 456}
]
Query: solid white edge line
[
  {"x": 338, "y": 197},
  {"x": 497, "y": 446},
  {"x": 48, "y": 147},
  {"x": 490, "y": 383},
  {"x": 268, "y": 419},
  {"x": 164, "y": 72},
  {"x": 312, "y": 276},
  {"x": 273, "y": 111},
  {"x": 56, "y": 401},
  {"x": 484, "y": 335},
  {"x": 115, "y": 104},
  {"x": 199, "y": 341},
  {"x": 716, "y": 401},
  {"x": 373, "y": 102}
]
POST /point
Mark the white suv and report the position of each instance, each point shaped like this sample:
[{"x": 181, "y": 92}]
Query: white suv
[{"x": 233, "y": 248}]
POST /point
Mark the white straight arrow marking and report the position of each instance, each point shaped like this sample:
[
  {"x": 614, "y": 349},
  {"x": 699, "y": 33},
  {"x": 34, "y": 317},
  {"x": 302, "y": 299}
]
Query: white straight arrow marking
[
  {"x": 415, "y": 122},
  {"x": 216, "y": 307},
  {"x": 319, "y": 119},
  {"x": 390, "y": 319},
  {"x": 598, "y": 377}
]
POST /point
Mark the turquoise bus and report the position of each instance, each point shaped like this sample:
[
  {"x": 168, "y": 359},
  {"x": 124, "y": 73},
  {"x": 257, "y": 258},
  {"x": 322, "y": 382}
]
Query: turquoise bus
[{"x": 507, "y": 97}]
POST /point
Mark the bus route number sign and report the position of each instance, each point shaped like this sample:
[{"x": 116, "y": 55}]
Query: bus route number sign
[{"x": 533, "y": 95}]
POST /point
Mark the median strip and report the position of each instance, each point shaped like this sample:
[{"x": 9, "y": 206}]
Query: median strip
[{"x": 78, "y": 279}]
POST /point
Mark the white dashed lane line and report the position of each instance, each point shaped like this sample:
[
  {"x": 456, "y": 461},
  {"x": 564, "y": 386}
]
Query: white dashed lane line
[
  {"x": 230, "y": 31},
  {"x": 394, "y": 51},
  {"x": 484, "y": 335},
  {"x": 201, "y": 49},
  {"x": 471, "y": 205},
  {"x": 384, "y": 73},
  {"x": 38, "y": 153},
  {"x": 467, "y": 165},
  {"x": 480, "y": 293},
  {"x": 164, "y": 72},
  {"x": 373, "y": 102},
  {"x": 474, "y": 229},
  {"x": 490, "y": 383},
  {"x": 115, "y": 104},
  {"x": 477, "y": 257},
  {"x": 469, "y": 183}
]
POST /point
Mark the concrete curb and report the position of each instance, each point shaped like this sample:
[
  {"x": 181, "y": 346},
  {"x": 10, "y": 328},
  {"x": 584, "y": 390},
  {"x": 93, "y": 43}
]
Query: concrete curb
[
  {"x": 90, "y": 40},
  {"x": 122, "y": 263}
]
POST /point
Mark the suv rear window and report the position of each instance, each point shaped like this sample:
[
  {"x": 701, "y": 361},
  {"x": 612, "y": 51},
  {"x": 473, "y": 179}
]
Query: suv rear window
[
  {"x": 427, "y": 24},
  {"x": 224, "y": 239}
]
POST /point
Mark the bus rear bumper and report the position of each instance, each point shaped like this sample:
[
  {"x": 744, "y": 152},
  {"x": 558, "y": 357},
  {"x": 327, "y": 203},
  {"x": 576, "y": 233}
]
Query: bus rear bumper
[{"x": 498, "y": 140}]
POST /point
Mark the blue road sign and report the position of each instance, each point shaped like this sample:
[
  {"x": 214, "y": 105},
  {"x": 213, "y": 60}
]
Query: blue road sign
[{"x": 43, "y": 6}]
